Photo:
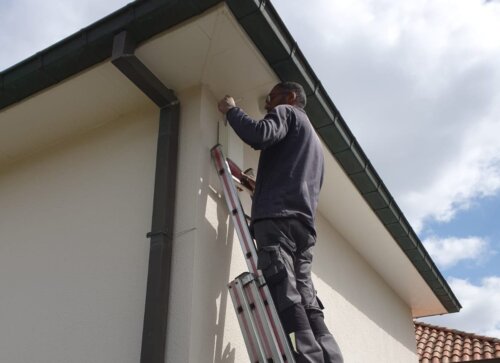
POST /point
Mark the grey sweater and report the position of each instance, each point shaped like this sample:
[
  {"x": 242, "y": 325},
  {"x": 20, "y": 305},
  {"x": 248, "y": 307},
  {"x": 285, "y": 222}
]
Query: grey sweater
[{"x": 290, "y": 171}]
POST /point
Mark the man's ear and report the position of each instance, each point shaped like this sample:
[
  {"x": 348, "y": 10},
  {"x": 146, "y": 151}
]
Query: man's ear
[{"x": 292, "y": 98}]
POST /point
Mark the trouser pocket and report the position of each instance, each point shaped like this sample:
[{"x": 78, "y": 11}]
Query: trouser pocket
[{"x": 271, "y": 263}]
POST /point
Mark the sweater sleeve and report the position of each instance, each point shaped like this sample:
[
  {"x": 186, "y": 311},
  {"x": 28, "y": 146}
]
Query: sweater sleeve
[{"x": 260, "y": 134}]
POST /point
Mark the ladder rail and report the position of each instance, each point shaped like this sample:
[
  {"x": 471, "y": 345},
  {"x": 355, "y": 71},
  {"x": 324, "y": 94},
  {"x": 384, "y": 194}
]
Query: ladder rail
[
  {"x": 278, "y": 331},
  {"x": 260, "y": 345},
  {"x": 266, "y": 325},
  {"x": 235, "y": 209},
  {"x": 242, "y": 316}
]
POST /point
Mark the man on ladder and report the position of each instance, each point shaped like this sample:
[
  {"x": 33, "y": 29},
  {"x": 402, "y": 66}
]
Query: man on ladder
[{"x": 289, "y": 178}]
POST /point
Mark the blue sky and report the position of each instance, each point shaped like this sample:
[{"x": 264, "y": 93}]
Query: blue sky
[
  {"x": 482, "y": 219},
  {"x": 418, "y": 83}
]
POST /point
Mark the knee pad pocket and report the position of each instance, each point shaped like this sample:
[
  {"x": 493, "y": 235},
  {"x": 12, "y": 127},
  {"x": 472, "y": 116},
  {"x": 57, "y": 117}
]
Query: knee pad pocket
[{"x": 271, "y": 263}]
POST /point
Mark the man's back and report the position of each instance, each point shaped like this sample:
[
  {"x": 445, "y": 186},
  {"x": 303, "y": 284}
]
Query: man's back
[{"x": 290, "y": 169}]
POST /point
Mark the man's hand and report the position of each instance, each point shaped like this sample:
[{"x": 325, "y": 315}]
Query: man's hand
[{"x": 226, "y": 104}]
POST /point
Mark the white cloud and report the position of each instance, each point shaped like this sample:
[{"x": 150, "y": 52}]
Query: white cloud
[
  {"x": 472, "y": 174},
  {"x": 448, "y": 252},
  {"x": 480, "y": 313}
]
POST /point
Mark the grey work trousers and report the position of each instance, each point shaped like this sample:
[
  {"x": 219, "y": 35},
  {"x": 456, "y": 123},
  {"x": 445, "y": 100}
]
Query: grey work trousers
[{"x": 285, "y": 257}]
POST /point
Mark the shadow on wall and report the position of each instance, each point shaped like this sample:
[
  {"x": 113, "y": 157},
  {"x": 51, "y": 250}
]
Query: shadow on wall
[
  {"x": 346, "y": 272},
  {"x": 215, "y": 249}
]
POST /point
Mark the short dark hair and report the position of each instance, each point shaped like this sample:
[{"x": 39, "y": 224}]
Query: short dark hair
[{"x": 297, "y": 89}]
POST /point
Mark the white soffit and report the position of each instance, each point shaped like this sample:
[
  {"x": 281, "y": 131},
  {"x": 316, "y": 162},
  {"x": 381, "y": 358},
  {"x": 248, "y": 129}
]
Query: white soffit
[
  {"x": 96, "y": 96},
  {"x": 347, "y": 211},
  {"x": 211, "y": 50}
]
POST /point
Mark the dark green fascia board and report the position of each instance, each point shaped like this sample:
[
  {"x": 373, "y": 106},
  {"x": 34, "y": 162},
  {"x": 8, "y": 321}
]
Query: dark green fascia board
[
  {"x": 263, "y": 25},
  {"x": 144, "y": 19}
]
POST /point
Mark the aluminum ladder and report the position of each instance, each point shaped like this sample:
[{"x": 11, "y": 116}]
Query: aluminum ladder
[{"x": 260, "y": 325}]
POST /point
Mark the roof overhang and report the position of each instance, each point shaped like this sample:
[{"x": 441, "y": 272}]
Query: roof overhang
[
  {"x": 241, "y": 48},
  {"x": 349, "y": 213}
]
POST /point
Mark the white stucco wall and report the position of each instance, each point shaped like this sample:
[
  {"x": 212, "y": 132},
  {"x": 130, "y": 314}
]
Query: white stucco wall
[
  {"x": 73, "y": 246},
  {"x": 370, "y": 322}
]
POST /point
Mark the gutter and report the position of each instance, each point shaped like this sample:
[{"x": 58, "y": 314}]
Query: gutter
[
  {"x": 146, "y": 18},
  {"x": 154, "y": 332}
]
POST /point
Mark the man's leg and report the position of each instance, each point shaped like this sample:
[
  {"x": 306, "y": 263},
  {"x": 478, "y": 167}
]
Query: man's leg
[
  {"x": 296, "y": 325},
  {"x": 331, "y": 350},
  {"x": 313, "y": 307},
  {"x": 277, "y": 266}
]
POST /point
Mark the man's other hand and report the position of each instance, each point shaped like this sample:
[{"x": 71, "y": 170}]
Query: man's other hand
[{"x": 226, "y": 104}]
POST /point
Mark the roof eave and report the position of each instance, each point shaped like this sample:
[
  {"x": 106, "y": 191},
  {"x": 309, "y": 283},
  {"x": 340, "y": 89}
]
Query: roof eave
[{"x": 92, "y": 45}]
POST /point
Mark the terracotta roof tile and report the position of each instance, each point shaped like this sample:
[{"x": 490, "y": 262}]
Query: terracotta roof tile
[{"x": 443, "y": 345}]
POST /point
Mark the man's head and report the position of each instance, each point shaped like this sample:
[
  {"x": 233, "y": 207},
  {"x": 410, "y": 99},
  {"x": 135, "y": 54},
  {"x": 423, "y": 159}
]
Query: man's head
[{"x": 286, "y": 93}]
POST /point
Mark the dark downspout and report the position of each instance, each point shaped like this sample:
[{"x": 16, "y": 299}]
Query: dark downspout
[{"x": 160, "y": 255}]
